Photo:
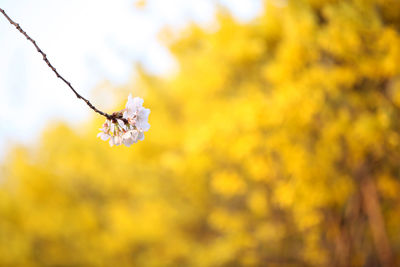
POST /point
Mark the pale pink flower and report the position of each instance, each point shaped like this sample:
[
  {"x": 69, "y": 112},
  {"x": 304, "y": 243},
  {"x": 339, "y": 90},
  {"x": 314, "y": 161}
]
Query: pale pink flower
[
  {"x": 136, "y": 114},
  {"x": 130, "y": 129}
]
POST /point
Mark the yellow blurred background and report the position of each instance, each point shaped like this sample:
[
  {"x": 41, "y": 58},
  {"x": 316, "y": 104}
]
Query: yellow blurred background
[{"x": 275, "y": 144}]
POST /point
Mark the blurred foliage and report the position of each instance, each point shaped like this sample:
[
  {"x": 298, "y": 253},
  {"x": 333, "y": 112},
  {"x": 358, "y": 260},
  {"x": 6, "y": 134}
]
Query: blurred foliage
[{"x": 276, "y": 144}]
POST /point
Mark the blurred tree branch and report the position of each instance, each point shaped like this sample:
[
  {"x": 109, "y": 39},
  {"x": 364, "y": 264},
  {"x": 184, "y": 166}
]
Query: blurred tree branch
[{"x": 372, "y": 208}]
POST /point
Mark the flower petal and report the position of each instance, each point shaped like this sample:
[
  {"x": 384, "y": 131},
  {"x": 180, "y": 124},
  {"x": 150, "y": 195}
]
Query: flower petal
[
  {"x": 128, "y": 141},
  {"x": 138, "y": 102},
  {"x": 134, "y": 103},
  {"x": 104, "y": 136},
  {"x": 140, "y": 136},
  {"x": 144, "y": 126}
]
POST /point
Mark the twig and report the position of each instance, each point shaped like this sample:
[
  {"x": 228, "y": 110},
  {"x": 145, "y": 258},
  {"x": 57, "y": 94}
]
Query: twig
[{"x": 108, "y": 116}]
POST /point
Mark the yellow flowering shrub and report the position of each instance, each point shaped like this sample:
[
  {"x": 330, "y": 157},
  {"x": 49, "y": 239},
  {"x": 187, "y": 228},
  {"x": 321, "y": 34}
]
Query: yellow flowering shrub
[{"x": 275, "y": 144}]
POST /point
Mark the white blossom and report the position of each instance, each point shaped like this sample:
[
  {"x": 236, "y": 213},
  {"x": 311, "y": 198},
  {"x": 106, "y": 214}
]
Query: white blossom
[
  {"x": 104, "y": 134},
  {"x": 136, "y": 114},
  {"x": 130, "y": 137},
  {"x": 128, "y": 125}
]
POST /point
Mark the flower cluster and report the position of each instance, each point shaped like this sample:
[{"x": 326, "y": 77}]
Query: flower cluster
[{"x": 128, "y": 125}]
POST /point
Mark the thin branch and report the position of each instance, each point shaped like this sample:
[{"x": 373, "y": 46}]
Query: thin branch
[{"x": 108, "y": 116}]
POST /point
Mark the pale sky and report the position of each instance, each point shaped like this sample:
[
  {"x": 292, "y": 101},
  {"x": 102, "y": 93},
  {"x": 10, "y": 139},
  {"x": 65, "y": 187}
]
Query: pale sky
[{"x": 88, "y": 41}]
